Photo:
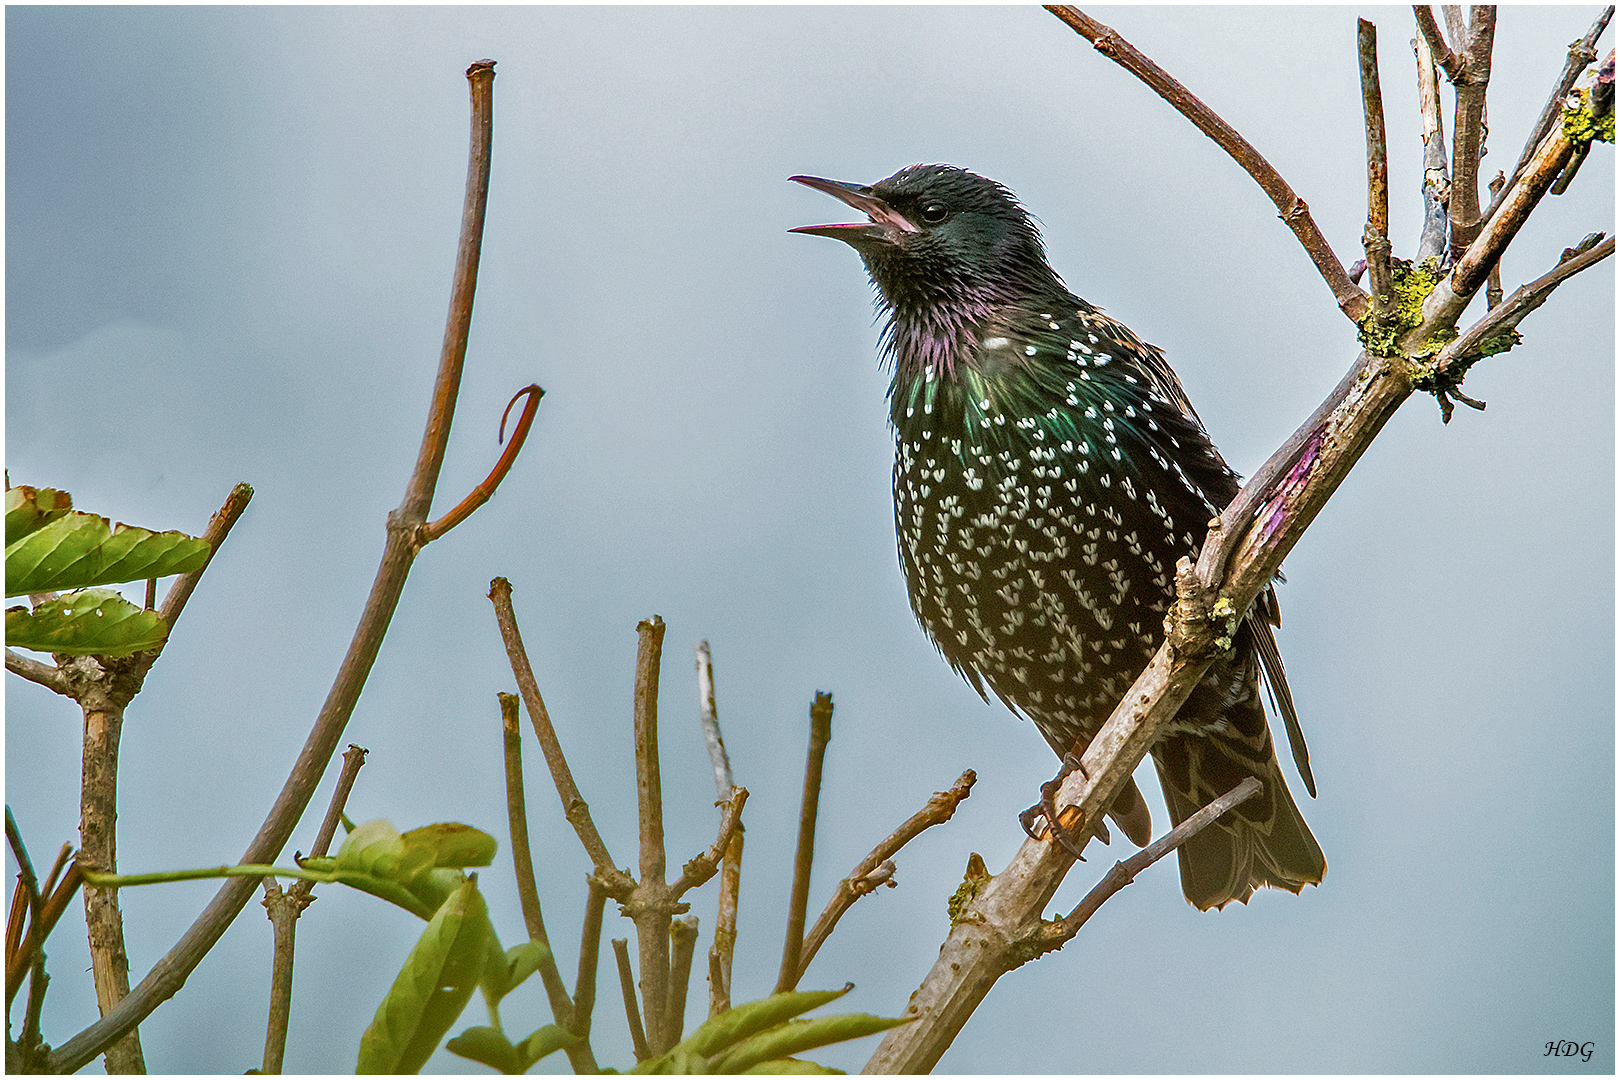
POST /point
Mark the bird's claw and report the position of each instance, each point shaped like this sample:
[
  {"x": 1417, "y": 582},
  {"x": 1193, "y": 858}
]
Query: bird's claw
[{"x": 1047, "y": 809}]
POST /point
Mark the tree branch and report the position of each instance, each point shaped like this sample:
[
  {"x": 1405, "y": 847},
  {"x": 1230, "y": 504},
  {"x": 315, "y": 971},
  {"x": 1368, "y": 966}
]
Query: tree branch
[
  {"x": 704, "y": 866},
  {"x": 1436, "y": 173},
  {"x": 865, "y": 878},
  {"x": 403, "y": 542},
  {"x": 616, "y": 882},
  {"x": 47, "y": 675},
  {"x": 821, "y": 711},
  {"x": 1295, "y": 214},
  {"x": 1449, "y": 61},
  {"x": 1375, "y": 238},
  {"x": 1468, "y": 127}
]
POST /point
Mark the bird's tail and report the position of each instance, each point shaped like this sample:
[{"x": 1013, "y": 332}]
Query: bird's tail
[{"x": 1263, "y": 841}]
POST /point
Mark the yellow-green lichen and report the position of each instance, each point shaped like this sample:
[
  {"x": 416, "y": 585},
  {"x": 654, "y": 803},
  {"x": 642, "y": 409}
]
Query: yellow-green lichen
[
  {"x": 975, "y": 879},
  {"x": 1581, "y": 126},
  {"x": 1226, "y": 613},
  {"x": 1410, "y": 285}
]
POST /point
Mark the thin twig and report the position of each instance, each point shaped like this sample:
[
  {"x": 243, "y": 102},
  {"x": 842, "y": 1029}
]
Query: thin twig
[
  {"x": 616, "y": 881},
  {"x": 1504, "y": 317},
  {"x": 284, "y": 908},
  {"x": 47, "y": 675},
  {"x": 219, "y": 527},
  {"x": 403, "y": 542},
  {"x": 1493, "y": 281},
  {"x": 486, "y": 488},
  {"x": 1436, "y": 172},
  {"x": 1449, "y": 61},
  {"x": 821, "y": 712},
  {"x": 54, "y": 906},
  {"x": 725, "y": 927},
  {"x": 1468, "y": 127},
  {"x": 627, "y": 986},
  {"x": 703, "y": 867},
  {"x": 1375, "y": 238},
  {"x": 1295, "y": 214},
  {"x": 683, "y": 935},
  {"x": 941, "y": 806},
  {"x": 590, "y": 947},
  {"x": 1447, "y": 301},
  {"x": 652, "y": 918},
  {"x": 1123, "y": 873},
  {"x": 562, "y": 1008},
  {"x": 1581, "y": 53},
  {"x": 710, "y": 719}
]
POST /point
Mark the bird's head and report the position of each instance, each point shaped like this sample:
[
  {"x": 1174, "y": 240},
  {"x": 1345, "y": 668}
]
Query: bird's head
[{"x": 938, "y": 238}]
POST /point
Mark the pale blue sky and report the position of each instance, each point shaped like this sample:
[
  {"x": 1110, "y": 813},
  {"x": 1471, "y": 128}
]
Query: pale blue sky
[{"x": 229, "y": 240}]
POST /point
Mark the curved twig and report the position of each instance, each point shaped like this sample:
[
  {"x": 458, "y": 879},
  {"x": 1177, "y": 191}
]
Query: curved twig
[
  {"x": 483, "y": 492},
  {"x": 1295, "y": 214}
]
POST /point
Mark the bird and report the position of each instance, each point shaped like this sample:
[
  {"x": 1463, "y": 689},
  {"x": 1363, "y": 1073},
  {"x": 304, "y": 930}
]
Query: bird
[{"x": 1049, "y": 472}]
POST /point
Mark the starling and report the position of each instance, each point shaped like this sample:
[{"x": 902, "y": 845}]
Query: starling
[{"x": 1049, "y": 472}]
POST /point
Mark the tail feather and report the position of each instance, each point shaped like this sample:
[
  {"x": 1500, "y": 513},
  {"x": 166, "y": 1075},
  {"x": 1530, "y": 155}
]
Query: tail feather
[{"x": 1263, "y": 841}]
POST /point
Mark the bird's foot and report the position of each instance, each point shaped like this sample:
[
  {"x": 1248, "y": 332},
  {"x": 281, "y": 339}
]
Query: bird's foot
[{"x": 1047, "y": 809}]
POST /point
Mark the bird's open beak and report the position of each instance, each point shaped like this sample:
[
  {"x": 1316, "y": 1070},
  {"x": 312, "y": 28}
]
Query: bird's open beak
[{"x": 882, "y": 222}]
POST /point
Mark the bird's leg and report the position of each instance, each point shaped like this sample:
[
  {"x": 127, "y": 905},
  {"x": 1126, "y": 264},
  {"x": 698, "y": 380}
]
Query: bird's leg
[{"x": 1047, "y": 809}]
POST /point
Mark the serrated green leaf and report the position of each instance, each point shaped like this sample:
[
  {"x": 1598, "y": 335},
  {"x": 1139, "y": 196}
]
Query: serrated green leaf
[
  {"x": 29, "y": 508},
  {"x": 78, "y": 550},
  {"x": 487, "y": 1046},
  {"x": 432, "y": 988},
  {"x": 450, "y": 844},
  {"x": 742, "y": 1021},
  {"x": 791, "y": 1067},
  {"x": 796, "y": 1036},
  {"x": 89, "y": 622},
  {"x": 548, "y": 1040}
]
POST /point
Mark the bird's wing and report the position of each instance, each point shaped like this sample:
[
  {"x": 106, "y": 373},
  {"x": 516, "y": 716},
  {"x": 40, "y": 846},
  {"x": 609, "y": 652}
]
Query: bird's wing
[{"x": 1262, "y": 617}]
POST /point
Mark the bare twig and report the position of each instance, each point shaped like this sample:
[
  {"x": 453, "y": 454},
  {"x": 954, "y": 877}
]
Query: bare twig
[
  {"x": 1295, "y": 214},
  {"x": 821, "y": 711},
  {"x": 1436, "y": 173},
  {"x": 683, "y": 935},
  {"x": 725, "y": 924},
  {"x": 562, "y": 1009},
  {"x": 725, "y": 927},
  {"x": 47, "y": 675},
  {"x": 1446, "y": 303},
  {"x": 1054, "y": 935},
  {"x": 652, "y": 915},
  {"x": 703, "y": 867},
  {"x": 590, "y": 947},
  {"x": 1375, "y": 238},
  {"x": 1581, "y": 53},
  {"x": 404, "y": 540},
  {"x": 56, "y": 901},
  {"x": 1493, "y": 281},
  {"x": 862, "y": 880},
  {"x": 1449, "y": 61},
  {"x": 284, "y": 909},
  {"x": 627, "y": 986},
  {"x": 710, "y": 720},
  {"x": 1504, "y": 317},
  {"x": 1468, "y": 126},
  {"x": 617, "y": 883},
  {"x": 486, "y": 488}
]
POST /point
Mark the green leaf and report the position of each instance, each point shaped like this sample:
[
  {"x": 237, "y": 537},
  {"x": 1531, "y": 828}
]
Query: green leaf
[
  {"x": 450, "y": 844},
  {"x": 519, "y": 962},
  {"x": 77, "y": 550},
  {"x": 547, "y": 1040},
  {"x": 432, "y": 988},
  {"x": 742, "y": 1021},
  {"x": 28, "y": 508},
  {"x": 417, "y": 871},
  {"x": 90, "y": 622},
  {"x": 792, "y": 1067},
  {"x": 487, "y": 1046},
  {"x": 796, "y": 1036}
]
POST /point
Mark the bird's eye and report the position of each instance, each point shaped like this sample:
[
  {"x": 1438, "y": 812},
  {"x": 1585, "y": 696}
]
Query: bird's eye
[{"x": 934, "y": 213}]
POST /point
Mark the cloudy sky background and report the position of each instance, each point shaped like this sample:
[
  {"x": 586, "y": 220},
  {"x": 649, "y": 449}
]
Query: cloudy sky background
[{"x": 229, "y": 242}]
